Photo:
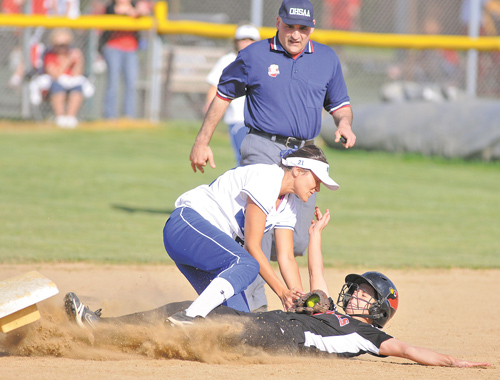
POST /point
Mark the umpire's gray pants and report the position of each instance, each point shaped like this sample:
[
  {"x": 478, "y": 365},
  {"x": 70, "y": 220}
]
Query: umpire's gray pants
[{"x": 259, "y": 150}]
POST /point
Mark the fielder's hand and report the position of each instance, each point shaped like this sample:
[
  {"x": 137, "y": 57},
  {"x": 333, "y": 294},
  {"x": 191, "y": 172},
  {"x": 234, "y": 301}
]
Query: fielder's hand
[{"x": 289, "y": 297}]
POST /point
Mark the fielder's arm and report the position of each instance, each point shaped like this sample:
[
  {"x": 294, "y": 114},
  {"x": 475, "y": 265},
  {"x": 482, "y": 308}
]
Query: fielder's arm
[
  {"x": 288, "y": 266},
  {"x": 201, "y": 152},
  {"x": 395, "y": 347},
  {"x": 343, "y": 120},
  {"x": 255, "y": 221}
]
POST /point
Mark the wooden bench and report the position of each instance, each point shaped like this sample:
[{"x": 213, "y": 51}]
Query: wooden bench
[{"x": 185, "y": 72}]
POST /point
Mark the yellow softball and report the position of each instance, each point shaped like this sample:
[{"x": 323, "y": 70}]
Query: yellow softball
[{"x": 313, "y": 300}]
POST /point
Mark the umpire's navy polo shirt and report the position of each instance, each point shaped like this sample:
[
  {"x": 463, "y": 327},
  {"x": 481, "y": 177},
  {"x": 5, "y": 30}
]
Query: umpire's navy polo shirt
[{"x": 285, "y": 96}]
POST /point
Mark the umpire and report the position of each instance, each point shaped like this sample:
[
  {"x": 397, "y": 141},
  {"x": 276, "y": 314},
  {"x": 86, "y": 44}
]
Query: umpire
[{"x": 287, "y": 80}]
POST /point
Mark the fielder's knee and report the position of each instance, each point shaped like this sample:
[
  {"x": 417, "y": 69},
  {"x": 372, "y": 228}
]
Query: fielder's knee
[{"x": 242, "y": 274}]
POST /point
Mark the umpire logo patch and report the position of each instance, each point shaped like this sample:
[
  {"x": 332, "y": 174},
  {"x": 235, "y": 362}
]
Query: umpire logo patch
[{"x": 273, "y": 71}]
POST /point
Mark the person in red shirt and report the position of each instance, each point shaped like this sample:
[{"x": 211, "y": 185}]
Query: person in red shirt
[
  {"x": 341, "y": 14},
  {"x": 12, "y": 6},
  {"x": 119, "y": 49},
  {"x": 38, "y": 7}
]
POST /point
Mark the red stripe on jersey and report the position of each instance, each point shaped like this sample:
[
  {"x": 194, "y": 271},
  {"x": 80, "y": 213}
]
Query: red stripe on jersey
[
  {"x": 336, "y": 109},
  {"x": 223, "y": 98},
  {"x": 272, "y": 43},
  {"x": 343, "y": 321}
]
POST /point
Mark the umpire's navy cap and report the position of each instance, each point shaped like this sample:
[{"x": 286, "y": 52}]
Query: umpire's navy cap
[{"x": 297, "y": 12}]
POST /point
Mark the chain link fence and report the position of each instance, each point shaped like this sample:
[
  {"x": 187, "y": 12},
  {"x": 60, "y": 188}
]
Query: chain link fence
[{"x": 372, "y": 74}]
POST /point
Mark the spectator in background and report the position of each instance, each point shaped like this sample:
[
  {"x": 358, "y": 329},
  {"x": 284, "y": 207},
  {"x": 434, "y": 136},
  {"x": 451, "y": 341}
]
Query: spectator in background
[
  {"x": 341, "y": 14},
  {"x": 245, "y": 35},
  {"x": 38, "y": 7},
  {"x": 436, "y": 65},
  {"x": 492, "y": 28},
  {"x": 489, "y": 62},
  {"x": 67, "y": 8},
  {"x": 63, "y": 67},
  {"x": 119, "y": 49},
  {"x": 12, "y": 6},
  {"x": 492, "y": 17},
  {"x": 427, "y": 74},
  {"x": 465, "y": 11}
]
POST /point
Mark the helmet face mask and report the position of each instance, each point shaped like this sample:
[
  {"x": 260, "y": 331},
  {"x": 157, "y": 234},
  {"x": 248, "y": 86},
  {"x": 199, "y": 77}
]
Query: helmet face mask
[
  {"x": 384, "y": 305},
  {"x": 350, "y": 299}
]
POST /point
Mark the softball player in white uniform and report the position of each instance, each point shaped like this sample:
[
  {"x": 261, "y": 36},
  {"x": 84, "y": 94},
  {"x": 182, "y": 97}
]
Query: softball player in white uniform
[{"x": 214, "y": 234}]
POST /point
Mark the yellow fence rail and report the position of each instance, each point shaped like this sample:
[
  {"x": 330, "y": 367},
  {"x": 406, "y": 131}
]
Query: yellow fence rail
[{"x": 160, "y": 23}]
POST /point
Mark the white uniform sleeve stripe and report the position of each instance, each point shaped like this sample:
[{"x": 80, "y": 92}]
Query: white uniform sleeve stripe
[
  {"x": 350, "y": 343},
  {"x": 256, "y": 201}
]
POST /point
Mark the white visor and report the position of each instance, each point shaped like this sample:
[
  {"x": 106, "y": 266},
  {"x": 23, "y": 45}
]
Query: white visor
[{"x": 320, "y": 169}]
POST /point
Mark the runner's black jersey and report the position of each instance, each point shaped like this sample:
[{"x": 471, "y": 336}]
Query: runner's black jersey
[
  {"x": 328, "y": 332},
  {"x": 337, "y": 334}
]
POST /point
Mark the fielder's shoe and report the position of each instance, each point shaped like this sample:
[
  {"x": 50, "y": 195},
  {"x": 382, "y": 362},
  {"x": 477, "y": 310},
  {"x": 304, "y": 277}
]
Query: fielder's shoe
[
  {"x": 80, "y": 313},
  {"x": 181, "y": 319}
]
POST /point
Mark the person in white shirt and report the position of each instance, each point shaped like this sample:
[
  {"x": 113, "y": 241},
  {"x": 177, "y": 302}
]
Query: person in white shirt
[
  {"x": 214, "y": 234},
  {"x": 245, "y": 35}
]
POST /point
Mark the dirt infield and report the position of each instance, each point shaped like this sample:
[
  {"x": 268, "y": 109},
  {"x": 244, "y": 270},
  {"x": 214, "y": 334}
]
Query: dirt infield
[{"x": 451, "y": 311}]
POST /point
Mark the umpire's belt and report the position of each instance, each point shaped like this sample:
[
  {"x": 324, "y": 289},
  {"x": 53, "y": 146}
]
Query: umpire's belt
[{"x": 289, "y": 142}]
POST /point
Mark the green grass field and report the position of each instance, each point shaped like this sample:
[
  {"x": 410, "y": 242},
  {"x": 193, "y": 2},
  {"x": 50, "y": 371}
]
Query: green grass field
[{"x": 103, "y": 195}]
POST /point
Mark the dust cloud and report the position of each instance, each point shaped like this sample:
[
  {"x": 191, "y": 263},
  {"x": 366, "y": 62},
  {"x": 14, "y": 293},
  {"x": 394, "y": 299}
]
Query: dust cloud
[{"x": 54, "y": 335}]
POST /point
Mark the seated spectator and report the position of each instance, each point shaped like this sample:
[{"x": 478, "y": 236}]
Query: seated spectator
[{"x": 63, "y": 79}]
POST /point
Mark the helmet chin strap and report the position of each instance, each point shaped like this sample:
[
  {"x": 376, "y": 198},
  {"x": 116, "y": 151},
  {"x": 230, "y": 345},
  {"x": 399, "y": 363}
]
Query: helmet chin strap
[
  {"x": 359, "y": 315},
  {"x": 367, "y": 316}
]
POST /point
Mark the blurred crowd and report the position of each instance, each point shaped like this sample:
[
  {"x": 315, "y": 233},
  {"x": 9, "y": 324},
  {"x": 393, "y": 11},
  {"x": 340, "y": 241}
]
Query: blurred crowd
[
  {"x": 57, "y": 64},
  {"x": 57, "y": 72}
]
